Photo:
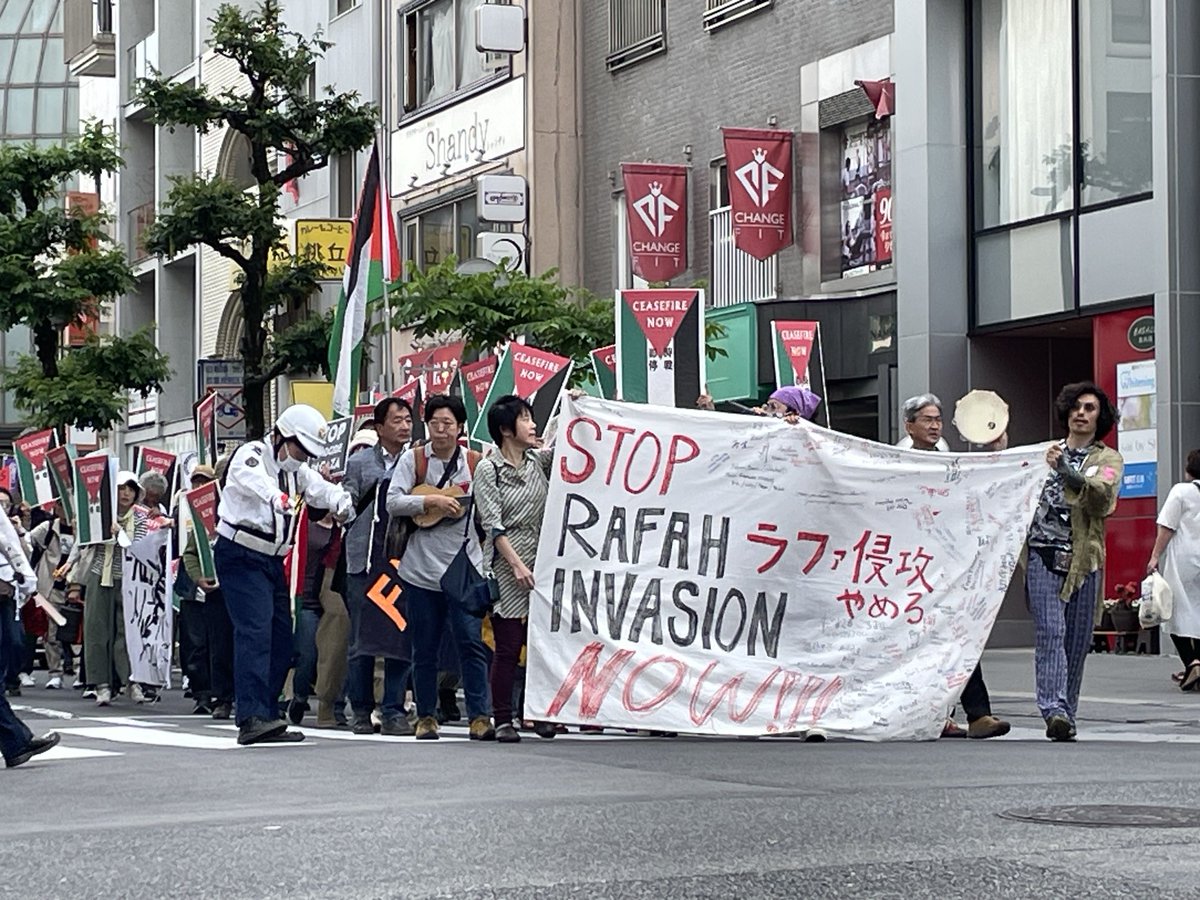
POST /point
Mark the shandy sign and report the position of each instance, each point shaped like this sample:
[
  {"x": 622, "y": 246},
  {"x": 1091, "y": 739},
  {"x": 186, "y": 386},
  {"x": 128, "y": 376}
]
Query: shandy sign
[
  {"x": 720, "y": 574},
  {"x": 660, "y": 346}
]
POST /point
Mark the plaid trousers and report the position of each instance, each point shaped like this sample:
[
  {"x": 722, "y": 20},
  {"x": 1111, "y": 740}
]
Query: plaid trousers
[{"x": 1062, "y": 636}]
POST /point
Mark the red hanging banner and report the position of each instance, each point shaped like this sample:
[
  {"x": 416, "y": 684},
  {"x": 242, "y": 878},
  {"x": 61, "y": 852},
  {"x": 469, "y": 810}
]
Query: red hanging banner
[
  {"x": 760, "y": 189},
  {"x": 656, "y": 207}
]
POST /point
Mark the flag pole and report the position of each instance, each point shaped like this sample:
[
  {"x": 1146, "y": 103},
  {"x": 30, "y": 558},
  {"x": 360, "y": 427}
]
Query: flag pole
[{"x": 385, "y": 162}]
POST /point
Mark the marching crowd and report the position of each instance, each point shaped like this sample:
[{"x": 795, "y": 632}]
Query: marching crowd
[{"x": 305, "y": 593}]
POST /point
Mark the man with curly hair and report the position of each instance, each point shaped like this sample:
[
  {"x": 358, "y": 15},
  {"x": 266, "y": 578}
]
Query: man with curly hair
[{"x": 1066, "y": 550}]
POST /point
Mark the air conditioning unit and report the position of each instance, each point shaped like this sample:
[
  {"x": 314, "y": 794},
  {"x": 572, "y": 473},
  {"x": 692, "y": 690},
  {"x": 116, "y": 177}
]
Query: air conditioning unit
[{"x": 503, "y": 246}]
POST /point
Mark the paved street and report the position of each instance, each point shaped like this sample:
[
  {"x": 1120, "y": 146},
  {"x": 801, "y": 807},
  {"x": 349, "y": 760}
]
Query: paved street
[{"x": 153, "y": 803}]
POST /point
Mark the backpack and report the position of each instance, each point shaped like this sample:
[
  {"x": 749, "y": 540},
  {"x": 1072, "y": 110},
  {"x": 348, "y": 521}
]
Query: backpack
[{"x": 400, "y": 528}]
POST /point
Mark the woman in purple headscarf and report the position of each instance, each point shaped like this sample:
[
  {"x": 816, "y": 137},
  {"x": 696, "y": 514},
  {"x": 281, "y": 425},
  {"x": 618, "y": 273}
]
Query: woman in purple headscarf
[{"x": 788, "y": 403}]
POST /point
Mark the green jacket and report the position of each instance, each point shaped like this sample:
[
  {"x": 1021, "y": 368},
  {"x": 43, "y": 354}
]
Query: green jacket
[{"x": 1090, "y": 506}]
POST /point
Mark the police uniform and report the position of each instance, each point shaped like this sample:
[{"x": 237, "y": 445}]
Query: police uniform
[{"x": 257, "y": 520}]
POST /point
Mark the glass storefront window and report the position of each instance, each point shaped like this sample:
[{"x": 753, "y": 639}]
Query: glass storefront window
[
  {"x": 1116, "y": 143},
  {"x": 449, "y": 230},
  {"x": 1024, "y": 141}
]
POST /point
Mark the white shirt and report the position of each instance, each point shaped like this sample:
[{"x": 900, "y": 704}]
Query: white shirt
[
  {"x": 260, "y": 498},
  {"x": 12, "y": 552},
  {"x": 1180, "y": 562}
]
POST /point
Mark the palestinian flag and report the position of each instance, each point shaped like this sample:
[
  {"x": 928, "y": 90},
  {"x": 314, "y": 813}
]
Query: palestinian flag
[
  {"x": 604, "y": 371},
  {"x": 296, "y": 561},
  {"x": 531, "y": 374},
  {"x": 363, "y": 413},
  {"x": 660, "y": 346},
  {"x": 415, "y": 395},
  {"x": 373, "y": 263},
  {"x": 151, "y": 459},
  {"x": 59, "y": 464},
  {"x": 95, "y": 497},
  {"x": 36, "y": 487},
  {"x": 799, "y": 361},
  {"x": 472, "y": 383},
  {"x": 201, "y": 509},
  {"x": 204, "y": 419}
]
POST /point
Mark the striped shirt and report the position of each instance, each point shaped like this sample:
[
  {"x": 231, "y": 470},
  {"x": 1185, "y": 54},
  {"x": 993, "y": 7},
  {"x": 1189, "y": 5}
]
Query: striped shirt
[{"x": 512, "y": 502}]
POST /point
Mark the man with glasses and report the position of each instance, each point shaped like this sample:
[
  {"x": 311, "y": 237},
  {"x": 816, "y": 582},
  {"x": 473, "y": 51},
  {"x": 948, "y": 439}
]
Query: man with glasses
[
  {"x": 367, "y": 473},
  {"x": 442, "y": 464},
  {"x": 259, "y": 503},
  {"x": 923, "y": 422},
  {"x": 1066, "y": 550}
]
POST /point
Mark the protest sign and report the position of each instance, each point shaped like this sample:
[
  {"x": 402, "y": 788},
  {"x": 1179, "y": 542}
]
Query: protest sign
[
  {"x": 799, "y": 360},
  {"x": 604, "y": 370},
  {"x": 95, "y": 497},
  {"x": 202, "y": 516},
  {"x": 165, "y": 463},
  {"x": 474, "y": 381},
  {"x": 718, "y": 574},
  {"x": 146, "y": 597},
  {"x": 30, "y": 451},
  {"x": 660, "y": 346},
  {"x": 412, "y": 393},
  {"x": 204, "y": 419},
  {"x": 62, "y": 475},
  {"x": 337, "y": 445},
  {"x": 531, "y": 374}
]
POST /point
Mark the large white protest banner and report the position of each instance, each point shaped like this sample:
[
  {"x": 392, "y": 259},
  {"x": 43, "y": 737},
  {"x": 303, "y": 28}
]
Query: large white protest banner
[
  {"x": 146, "y": 593},
  {"x": 722, "y": 574}
]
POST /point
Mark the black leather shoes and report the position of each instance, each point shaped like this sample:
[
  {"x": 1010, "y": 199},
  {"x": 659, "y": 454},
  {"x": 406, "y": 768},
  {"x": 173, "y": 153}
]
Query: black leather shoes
[
  {"x": 36, "y": 746},
  {"x": 255, "y": 730}
]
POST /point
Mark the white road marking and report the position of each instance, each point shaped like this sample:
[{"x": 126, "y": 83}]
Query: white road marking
[
  {"x": 153, "y": 737},
  {"x": 61, "y": 753}
]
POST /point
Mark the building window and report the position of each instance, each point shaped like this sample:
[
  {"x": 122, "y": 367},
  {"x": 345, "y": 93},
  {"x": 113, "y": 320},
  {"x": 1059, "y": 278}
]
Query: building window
[
  {"x": 735, "y": 276},
  {"x": 439, "y": 52},
  {"x": 1115, "y": 135},
  {"x": 636, "y": 29},
  {"x": 1023, "y": 51},
  {"x": 1030, "y": 162},
  {"x": 343, "y": 6},
  {"x": 722, "y": 12},
  {"x": 345, "y": 173},
  {"x": 865, "y": 208},
  {"x": 448, "y": 230}
]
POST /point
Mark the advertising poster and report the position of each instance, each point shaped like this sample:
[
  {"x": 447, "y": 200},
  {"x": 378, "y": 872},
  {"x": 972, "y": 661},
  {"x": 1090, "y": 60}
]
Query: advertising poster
[{"x": 1137, "y": 432}]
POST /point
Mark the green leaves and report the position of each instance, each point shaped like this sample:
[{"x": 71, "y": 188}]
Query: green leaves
[
  {"x": 92, "y": 385},
  {"x": 303, "y": 348}
]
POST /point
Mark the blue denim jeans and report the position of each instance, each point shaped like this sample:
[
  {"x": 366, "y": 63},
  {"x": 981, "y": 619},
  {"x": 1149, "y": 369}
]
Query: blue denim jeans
[
  {"x": 304, "y": 675},
  {"x": 428, "y": 614},
  {"x": 256, "y": 596},
  {"x": 360, "y": 678}
]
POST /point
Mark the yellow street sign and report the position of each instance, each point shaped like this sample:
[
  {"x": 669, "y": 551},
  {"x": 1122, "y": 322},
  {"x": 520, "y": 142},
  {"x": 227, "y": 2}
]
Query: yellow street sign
[{"x": 326, "y": 241}]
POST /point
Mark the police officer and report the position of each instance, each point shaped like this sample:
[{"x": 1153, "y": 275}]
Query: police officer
[
  {"x": 264, "y": 484},
  {"x": 17, "y": 743}
]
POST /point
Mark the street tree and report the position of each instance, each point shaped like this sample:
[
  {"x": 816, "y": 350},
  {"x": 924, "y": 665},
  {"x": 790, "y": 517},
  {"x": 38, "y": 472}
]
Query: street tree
[
  {"x": 274, "y": 111},
  {"x": 58, "y": 267}
]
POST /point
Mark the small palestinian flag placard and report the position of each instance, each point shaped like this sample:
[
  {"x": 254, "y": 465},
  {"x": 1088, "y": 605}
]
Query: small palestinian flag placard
[
  {"x": 660, "y": 346},
  {"x": 202, "y": 517},
  {"x": 95, "y": 497},
  {"x": 37, "y": 488},
  {"x": 531, "y": 374},
  {"x": 604, "y": 370},
  {"x": 60, "y": 466},
  {"x": 473, "y": 382},
  {"x": 165, "y": 463}
]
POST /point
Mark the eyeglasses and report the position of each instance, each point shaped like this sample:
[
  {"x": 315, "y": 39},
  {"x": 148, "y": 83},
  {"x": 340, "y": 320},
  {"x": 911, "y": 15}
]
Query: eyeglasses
[
  {"x": 442, "y": 424},
  {"x": 930, "y": 420}
]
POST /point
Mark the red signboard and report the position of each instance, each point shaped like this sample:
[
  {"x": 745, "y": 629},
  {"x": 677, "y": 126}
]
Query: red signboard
[
  {"x": 479, "y": 376},
  {"x": 532, "y": 368},
  {"x": 656, "y": 205},
  {"x": 883, "y": 225},
  {"x": 760, "y": 189}
]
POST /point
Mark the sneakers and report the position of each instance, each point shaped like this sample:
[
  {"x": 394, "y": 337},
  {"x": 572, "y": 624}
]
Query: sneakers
[
  {"x": 136, "y": 694},
  {"x": 256, "y": 731},
  {"x": 27, "y": 680},
  {"x": 481, "y": 729},
  {"x": 987, "y": 727},
  {"x": 1059, "y": 728},
  {"x": 506, "y": 734},
  {"x": 363, "y": 725},
  {"x": 103, "y": 695},
  {"x": 296, "y": 710},
  {"x": 89, "y": 694},
  {"x": 54, "y": 683},
  {"x": 201, "y": 708},
  {"x": 427, "y": 728},
  {"x": 397, "y": 727},
  {"x": 222, "y": 711},
  {"x": 544, "y": 730}
]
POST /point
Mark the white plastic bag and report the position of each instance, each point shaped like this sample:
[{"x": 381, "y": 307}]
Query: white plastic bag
[{"x": 1157, "y": 602}]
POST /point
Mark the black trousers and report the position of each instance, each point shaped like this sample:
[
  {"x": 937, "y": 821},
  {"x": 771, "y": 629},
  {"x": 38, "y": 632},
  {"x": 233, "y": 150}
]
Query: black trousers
[
  {"x": 1188, "y": 649},
  {"x": 975, "y": 700},
  {"x": 208, "y": 659}
]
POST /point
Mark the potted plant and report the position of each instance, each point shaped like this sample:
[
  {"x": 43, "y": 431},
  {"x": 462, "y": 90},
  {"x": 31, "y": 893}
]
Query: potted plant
[{"x": 1123, "y": 608}]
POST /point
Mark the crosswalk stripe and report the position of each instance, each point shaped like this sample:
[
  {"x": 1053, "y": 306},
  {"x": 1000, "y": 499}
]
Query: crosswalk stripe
[
  {"x": 61, "y": 754},
  {"x": 126, "y": 734}
]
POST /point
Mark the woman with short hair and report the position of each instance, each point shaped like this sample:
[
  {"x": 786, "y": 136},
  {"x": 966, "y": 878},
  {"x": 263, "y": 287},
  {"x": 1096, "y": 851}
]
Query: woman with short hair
[{"x": 1176, "y": 556}]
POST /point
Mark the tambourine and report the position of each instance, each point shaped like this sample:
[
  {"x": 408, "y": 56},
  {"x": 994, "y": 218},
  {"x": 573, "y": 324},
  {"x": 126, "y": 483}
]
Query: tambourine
[{"x": 981, "y": 417}]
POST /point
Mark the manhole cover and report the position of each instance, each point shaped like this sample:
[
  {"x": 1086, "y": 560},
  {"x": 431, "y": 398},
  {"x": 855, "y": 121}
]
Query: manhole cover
[{"x": 1108, "y": 816}]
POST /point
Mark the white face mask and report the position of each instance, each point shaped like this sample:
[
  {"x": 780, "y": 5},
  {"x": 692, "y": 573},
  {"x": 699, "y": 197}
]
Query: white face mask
[{"x": 289, "y": 463}]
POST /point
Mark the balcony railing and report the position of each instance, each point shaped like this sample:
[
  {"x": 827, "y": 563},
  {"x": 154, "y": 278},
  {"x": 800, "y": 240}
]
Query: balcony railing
[
  {"x": 722, "y": 12},
  {"x": 636, "y": 29},
  {"x": 140, "y": 218},
  {"x": 737, "y": 276},
  {"x": 88, "y": 37},
  {"x": 142, "y": 60}
]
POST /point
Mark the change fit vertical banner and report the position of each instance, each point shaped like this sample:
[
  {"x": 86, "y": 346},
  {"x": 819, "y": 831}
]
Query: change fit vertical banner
[
  {"x": 656, "y": 201},
  {"x": 660, "y": 346},
  {"x": 532, "y": 374},
  {"x": 759, "y": 163}
]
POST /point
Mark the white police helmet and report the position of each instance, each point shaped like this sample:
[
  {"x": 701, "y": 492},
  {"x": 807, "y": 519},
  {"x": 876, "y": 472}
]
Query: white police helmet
[{"x": 305, "y": 425}]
